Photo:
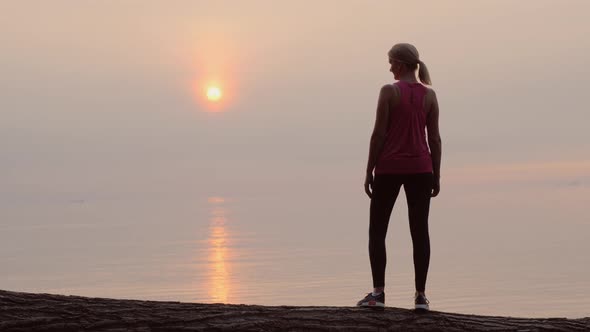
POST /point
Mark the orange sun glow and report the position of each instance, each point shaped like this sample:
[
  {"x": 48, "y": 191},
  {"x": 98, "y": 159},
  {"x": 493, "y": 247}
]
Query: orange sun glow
[{"x": 213, "y": 93}]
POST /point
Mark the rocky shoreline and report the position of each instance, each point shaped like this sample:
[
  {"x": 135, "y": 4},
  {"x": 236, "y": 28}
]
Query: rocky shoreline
[{"x": 45, "y": 312}]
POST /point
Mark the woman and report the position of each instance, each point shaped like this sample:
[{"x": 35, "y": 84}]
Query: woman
[{"x": 399, "y": 155}]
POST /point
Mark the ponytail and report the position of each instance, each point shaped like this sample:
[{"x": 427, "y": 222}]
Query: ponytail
[{"x": 423, "y": 73}]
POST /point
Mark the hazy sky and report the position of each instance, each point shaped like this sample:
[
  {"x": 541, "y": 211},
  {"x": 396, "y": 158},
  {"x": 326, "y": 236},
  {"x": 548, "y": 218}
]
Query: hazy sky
[{"x": 106, "y": 96}]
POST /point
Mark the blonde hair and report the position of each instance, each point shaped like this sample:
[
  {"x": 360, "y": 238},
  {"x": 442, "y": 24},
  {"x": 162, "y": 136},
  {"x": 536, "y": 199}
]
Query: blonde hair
[{"x": 408, "y": 54}]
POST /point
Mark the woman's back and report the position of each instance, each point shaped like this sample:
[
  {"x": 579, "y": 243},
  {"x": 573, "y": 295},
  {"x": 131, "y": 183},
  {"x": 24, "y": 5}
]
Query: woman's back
[{"x": 405, "y": 150}]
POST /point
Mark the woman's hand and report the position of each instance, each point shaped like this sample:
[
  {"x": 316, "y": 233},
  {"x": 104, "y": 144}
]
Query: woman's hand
[
  {"x": 435, "y": 186},
  {"x": 369, "y": 184}
]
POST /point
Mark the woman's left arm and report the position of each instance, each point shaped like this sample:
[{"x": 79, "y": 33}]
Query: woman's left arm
[{"x": 379, "y": 132}]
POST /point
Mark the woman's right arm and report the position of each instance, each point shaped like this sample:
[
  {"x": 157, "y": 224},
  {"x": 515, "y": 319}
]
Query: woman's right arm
[{"x": 434, "y": 142}]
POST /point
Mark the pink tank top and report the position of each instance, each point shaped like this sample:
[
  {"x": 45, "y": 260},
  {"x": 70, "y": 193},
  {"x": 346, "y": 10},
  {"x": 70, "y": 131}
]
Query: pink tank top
[{"x": 405, "y": 150}]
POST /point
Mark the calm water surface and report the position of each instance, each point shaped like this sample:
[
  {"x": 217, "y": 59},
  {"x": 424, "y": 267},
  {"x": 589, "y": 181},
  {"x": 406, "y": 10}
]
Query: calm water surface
[{"x": 303, "y": 247}]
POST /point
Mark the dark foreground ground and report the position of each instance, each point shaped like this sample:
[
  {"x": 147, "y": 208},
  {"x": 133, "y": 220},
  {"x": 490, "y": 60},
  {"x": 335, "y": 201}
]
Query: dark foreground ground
[{"x": 45, "y": 312}]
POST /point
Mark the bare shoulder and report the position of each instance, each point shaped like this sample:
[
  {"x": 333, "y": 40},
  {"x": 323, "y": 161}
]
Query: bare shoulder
[
  {"x": 389, "y": 92},
  {"x": 388, "y": 89},
  {"x": 430, "y": 102},
  {"x": 430, "y": 92},
  {"x": 430, "y": 97}
]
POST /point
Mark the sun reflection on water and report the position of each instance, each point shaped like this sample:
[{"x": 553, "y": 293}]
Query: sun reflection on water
[{"x": 218, "y": 265}]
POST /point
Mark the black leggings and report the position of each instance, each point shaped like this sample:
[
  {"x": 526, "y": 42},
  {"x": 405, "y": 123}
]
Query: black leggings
[{"x": 386, "y": 187}]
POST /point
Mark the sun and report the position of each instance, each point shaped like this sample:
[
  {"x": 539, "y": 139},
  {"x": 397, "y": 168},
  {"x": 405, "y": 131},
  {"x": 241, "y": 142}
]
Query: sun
[{"x": 213, "y": 93}]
